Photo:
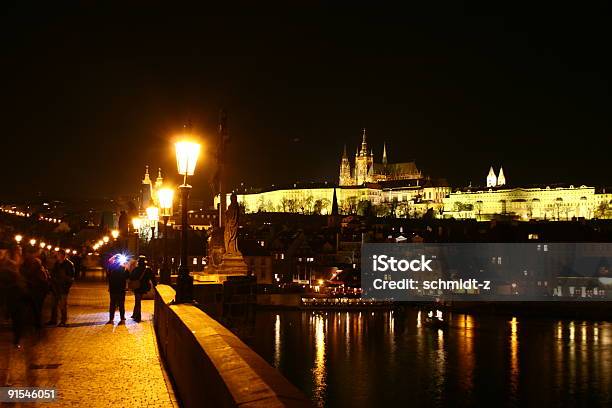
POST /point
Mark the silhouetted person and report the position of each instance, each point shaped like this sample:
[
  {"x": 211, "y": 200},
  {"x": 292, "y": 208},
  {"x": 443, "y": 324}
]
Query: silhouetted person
[
  {"x": 12, "y": 289},
  {"x": 77, "y": 260},
  {"x": 37, "y": 283},
  {"x": 62, "y": 276},
  {"x": 145, "y": 276},
  {"x": 117, "y": 277}
]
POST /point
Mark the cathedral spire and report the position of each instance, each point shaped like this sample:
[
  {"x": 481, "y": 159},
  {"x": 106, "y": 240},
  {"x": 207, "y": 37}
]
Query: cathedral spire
[
  {"x": 364, "y": 144},
  {"x": 501, "y": 179},
  {"x": 491, "y": 178},
  {"x": 384, "y": 160},
  {"x": 147, "y": 179},
  {"x": 344, "y": 155},
  {"x": 160, "y": 180},
  {"x": 334, "y": 210}
]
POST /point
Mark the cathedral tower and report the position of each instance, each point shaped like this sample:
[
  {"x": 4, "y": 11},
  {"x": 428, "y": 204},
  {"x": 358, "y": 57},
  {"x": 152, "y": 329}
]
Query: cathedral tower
[
  {"x": 363, "y": 163},
  {"x": 501, "y": 179},
  {"x": 146, "y": 190},
  {"x": 492, "y": 178},
  {"x": 346, "y": 178}
]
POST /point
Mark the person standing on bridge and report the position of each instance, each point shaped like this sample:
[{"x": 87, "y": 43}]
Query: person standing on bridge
[
  {"x": 62, "y": 276},
  {"x": 12, "y": 289},
  {"x": 117, "y": 277},
  {"x": 37, "y": 280},
  {"x": 141, "y": 279}
]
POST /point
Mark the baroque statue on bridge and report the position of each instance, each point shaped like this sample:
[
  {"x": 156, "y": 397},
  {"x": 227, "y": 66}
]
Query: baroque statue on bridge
[{"x": 231, "y": 227}]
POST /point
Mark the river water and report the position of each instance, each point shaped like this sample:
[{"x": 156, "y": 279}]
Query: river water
[{"x": 389, "y": 358}]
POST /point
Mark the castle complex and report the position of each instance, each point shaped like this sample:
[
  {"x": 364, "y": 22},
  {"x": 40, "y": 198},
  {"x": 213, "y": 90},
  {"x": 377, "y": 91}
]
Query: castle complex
[
  {"x": 398, "y": 188},
  {"x": 401, "y": 190}
]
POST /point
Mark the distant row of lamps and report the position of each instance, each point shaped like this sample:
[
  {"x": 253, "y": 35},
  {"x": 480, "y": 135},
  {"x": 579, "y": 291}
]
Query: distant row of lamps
[
  {"x": 43, "y": 245},
  {"x": 105, "y": 240},
  {"x": 28, "y": 215}
]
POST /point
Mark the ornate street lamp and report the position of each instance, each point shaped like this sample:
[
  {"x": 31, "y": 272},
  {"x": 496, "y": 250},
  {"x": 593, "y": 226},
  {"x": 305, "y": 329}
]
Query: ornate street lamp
[
  {"x": 136, "y": 224},
  {"x": 153, "y": 217},
  {"x": 32, "y": 242},
  {"x": 186, "y": 159},
  {"x": 115, "y": 234},
  {"x": 165, "y": 196},
  {"x": 18, "y": 238}
]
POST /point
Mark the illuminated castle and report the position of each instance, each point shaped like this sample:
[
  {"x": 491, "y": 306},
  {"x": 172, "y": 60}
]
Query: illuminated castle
[{"x": 365, "y": 170}]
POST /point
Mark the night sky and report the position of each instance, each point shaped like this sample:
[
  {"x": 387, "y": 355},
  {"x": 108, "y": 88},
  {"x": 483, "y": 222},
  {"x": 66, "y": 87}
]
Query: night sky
[{"x": 90, "y": 96}]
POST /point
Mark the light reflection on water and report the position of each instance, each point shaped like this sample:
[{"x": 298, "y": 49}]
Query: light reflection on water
[{"x": 391, "y": 358}]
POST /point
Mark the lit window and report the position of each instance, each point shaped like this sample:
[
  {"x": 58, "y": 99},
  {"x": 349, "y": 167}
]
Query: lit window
[{"x": 195, "y": 261}]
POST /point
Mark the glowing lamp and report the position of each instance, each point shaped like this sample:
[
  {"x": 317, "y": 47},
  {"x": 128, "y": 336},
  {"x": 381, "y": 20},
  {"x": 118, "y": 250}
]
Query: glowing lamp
[
  {"x": 32, "y": 242},
  {"x": 153, "y": 214},
  {"x": 165, "y": 196},
  {"x": 56, "y": 249},
  {"x": 49, "y": 247},
  {"x": 74, "y": 252},
  {"x": 42, "y": 245},
  {"x": 186, "y": 157},
  {"x": 115, "y": 234},
  {"x": 105, "y": 239},
  {"x": 136, "y": 223},
  {"x": 18, "y": 238}
]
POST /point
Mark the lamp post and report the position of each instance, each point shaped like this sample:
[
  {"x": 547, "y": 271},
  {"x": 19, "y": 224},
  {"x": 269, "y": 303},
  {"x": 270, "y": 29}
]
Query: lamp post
[
  {"x": 186, "y": 159},
  {"x": 153, "y": 217},
  {"x": 165, "y": 196},
  {"x": 136, "y": 223}
]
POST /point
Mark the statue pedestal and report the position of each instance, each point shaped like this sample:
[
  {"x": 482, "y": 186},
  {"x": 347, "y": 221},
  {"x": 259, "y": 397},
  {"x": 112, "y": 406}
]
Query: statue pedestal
[{"x": 233, "y": 264}]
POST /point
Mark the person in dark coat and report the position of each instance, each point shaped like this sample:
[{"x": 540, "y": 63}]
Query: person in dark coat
[
  {"x": 77, "y": 260},
  {"x": 37, "y": 281},
  {"x": 12, "y": 290},
  {"x": 145, "y": 275},
  {"x": 62, "y": 276},
  {"x": 117, "y": 277}
]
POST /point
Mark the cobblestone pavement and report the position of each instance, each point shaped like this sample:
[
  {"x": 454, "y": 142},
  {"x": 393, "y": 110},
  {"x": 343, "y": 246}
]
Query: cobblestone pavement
[{"x": 90, "y": 363}]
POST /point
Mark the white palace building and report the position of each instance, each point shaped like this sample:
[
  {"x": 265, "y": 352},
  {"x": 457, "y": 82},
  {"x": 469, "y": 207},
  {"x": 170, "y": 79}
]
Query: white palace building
[{"x": 526, "y": 203}]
